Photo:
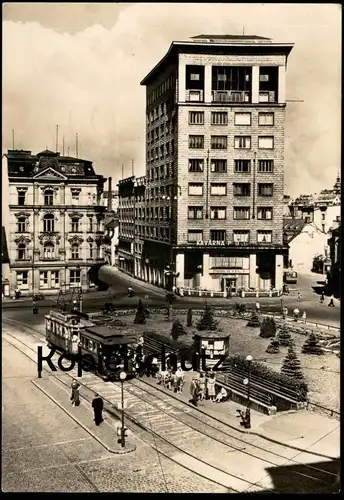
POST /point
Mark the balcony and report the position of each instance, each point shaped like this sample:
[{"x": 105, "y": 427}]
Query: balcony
[
  {"x": 194, "y": 95},
  {"x": 230, "y": 96},
  {"x": 267, "y": 97}
]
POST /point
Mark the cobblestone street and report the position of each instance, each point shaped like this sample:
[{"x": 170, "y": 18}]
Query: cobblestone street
[{"x": 45, "y": 451}]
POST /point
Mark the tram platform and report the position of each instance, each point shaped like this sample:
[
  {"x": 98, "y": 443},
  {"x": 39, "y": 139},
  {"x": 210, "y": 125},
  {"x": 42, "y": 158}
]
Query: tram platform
[
  {"x": 301, "y": 429},
  {"x": 105, "y": 433}
]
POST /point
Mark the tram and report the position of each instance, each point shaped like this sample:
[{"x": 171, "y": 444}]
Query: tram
[{"x": 72, "y": 333}]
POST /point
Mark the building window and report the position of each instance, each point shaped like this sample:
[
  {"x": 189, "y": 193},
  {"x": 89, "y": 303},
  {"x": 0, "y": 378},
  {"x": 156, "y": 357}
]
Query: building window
[
  {"x": 196, "y": 165},
  {"x": 241, "y": 213},
  {"x": 75, "y": 251},
  {"x": 75, "y": 225},
  {"x": 196, "y": 141},
  {"x": 21, "y": 224},
  {"x": 43, "y": 279},
  {"x": 195, "y": 235},
  {"x": 219, "y": 118},
  {"x": 196, "y": 117},
  {"x": 21, "y": 251},
  {"x": 22, "y": 279},
  {"x": 194, "y": 77},
  {"x": 48, "y": 251},
  {"x": 195, "y": 188},
  {"x": 75, "y": 196},
  {"x": 74, "y": 277},
  {"x": 218, "y": 166},
  {"x": 241, "y": 236},
  {"x": 242, "y": 142},
  {"x": 264, "y": 236},
  {"x": 266, "y": 142},
  {"x": 195, "y": 212},
  {"x": 242, "y": 166},
  {"x": 266, "y": 118},
  {"x": 241, "y": 189},
  {"x": 90, "y": 225},
  {"x": 49, "y": 197},
  {"x": 218, "y": 213},
  {"x": 323, "y": 216},
  {"x": 55, "y": 279},
  {"x": 21, "y": 198},
  {"x": 218, "y": 142},
  {"x": 265, "y": 166},
  {"x": 48, "y": 223},
  {"x": 264, "y": 213},
  {"x": 218, "y": 189},
  {"x": 91, "y": 250},
  {"x": 242, "y": 118},
  {"x": 265, "y": 189},
  {"x": 323, "y": 228},
  {"x": 218, "y": 235}
]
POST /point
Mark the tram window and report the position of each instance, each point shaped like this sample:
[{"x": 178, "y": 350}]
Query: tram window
[{"x": 90, "y": 345}]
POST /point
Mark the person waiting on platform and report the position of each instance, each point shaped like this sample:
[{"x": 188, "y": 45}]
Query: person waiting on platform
[
  {"x": 222, "y": 395},
  {"x": 210, "y": 385},
  {"x": 202, "y": 386}
]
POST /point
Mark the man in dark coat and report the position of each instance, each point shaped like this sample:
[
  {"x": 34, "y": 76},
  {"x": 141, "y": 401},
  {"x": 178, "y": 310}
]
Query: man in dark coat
[{"x": 97, "y": 405}]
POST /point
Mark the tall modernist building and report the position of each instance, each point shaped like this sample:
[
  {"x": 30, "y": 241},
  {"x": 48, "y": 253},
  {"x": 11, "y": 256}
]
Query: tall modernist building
[
  {"x": 55, "y": 230},
  {"x": 215, "y": 119}
]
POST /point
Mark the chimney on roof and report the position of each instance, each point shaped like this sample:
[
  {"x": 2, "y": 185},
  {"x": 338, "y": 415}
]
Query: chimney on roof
[{"x": 110, "y": 194}]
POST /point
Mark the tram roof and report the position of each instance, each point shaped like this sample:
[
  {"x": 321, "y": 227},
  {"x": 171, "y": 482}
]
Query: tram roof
[{"x": 113, "y": 335}]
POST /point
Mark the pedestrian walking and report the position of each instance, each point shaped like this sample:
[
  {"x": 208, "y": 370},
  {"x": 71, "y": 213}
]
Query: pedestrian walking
[
  {"x": 34, "y": 307},
  {"x": 75, "y": 396},
  {"x": 98, "y": 405},
  {"x": 257, "y": 307},
  {"x": 202, "y": 386},
  {"x": 211, "y": 386},
  {"x": 296, "y": 313},
  {"x": 285, "y": 312},
  {"x": 322, "y": 297},
  {"x": 304, "y": 316},
  {"x": 195, "y": 391},
  {"x": 331, "y": 303}
]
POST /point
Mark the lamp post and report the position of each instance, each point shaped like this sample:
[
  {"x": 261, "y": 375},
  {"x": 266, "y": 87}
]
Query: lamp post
[
  {"x": 169, "y": 270},
  {"x": 248, "y": 411},
  {"x": 122, "y": 377}
]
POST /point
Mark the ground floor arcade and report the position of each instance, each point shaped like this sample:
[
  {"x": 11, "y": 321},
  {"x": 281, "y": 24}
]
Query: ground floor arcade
[{"x": 215, "y": 269}]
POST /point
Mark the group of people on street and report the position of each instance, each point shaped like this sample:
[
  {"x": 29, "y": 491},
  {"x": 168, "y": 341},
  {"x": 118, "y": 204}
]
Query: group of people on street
[
  {"x": 203, "y": 387},
  {"x": 97, "y": 403}
]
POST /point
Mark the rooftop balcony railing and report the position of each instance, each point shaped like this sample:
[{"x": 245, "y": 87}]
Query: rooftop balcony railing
[{"x": 230, "y": 96}]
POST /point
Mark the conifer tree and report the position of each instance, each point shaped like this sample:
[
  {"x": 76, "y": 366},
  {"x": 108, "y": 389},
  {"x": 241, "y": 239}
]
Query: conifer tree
[
  {"x": 284, "y": 336},
  {"x": 312, "y": 346},
  {"x": 273, "y": 347},
  {"x": 189, "y": 318},
  {"x": 140, "y": 317},
  {"x": 291, "y": 364},
  {"x": 268, "y": 328},
  {"x": 254, "y": 320},
  {"x": 177, "y": 329},
  {"x": 207, "y": 321}
]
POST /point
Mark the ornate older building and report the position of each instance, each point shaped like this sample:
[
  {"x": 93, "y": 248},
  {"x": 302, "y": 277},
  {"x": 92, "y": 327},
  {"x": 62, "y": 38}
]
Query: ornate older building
[{"x": 55, "y": 220}]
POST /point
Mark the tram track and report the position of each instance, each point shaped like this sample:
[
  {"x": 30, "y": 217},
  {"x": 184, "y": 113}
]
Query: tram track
[{"x": 181, "y": 421}]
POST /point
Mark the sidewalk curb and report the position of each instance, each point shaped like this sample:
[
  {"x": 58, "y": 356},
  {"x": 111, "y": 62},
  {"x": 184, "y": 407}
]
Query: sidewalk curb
[{"x": 129, "y": 449}]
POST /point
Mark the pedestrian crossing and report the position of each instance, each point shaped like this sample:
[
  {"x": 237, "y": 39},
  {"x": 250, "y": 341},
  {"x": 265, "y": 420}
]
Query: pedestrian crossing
[{"x": 157, "y": 416}]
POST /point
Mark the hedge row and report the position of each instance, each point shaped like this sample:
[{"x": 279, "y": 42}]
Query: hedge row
[{"x": 263, "y": 371}]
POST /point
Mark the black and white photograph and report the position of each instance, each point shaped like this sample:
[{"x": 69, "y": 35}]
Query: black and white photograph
[{"x": 171, "y": 225}]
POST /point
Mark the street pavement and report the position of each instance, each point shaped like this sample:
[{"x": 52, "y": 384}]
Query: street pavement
[
  {"x": 155, "y": 297},
  {"x": 44, "y": 450},
  {"x": 315, "y": 438}
]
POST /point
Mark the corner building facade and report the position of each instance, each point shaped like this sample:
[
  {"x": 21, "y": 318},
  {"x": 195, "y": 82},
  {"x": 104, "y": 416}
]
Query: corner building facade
[{"x": 215, "y": 162}]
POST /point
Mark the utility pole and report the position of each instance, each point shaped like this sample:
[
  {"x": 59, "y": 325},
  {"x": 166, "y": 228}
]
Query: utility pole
[{"x": 57, "y": 138}]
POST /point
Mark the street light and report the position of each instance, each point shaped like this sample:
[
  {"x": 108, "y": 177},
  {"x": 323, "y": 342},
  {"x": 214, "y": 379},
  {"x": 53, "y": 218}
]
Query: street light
[
  {"x": 248, "y": 410},
  {"x": 122, "y": 377}
]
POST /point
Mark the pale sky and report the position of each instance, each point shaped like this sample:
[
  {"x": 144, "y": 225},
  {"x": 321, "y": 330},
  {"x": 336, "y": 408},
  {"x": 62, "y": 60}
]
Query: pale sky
[{"x": 80, "y": 66}]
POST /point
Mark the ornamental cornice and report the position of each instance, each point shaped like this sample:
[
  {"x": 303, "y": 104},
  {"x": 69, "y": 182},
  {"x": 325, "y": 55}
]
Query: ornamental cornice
[
  {"x": 22, "y": 214},
  {"x": 22, "y": 239}
]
